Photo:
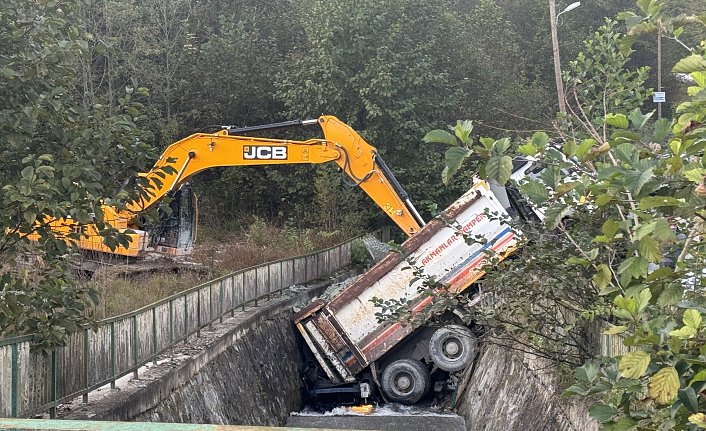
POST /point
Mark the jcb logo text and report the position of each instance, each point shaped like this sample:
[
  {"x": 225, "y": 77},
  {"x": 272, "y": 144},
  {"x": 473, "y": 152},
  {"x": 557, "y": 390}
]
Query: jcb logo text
[{"x": 265, "y": 153}]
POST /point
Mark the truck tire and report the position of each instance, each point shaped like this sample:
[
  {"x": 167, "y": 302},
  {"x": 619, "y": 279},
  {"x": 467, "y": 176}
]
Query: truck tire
[
  {"x": 453, "y": 347},
  {"x": 405, "y": 381}
]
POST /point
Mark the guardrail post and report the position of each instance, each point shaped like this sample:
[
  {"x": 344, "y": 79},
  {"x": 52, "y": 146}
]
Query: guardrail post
[
  {"x": 52, "y": 409},
  {"x": 210, "y": 306},
  {"x": 294, "y": 272},
  {"x": 269, "y": 283},
  {"x": 281, "y": 277},
  {"x": 198, "y": 313},
  {"x": 171, "y": 321},
  {"x": 306, "y": 269},
  {"x": 232, "y": 296},
  {"x": 135, "y": 346},
  {"x": 85, "y": 364},
  {"x": 242, "y": 276},
  {"x": 186, "y": 319},
  {"x": 154, "y": 334},
  {"x": 14, "y": 380},
  {"x": 112, "y": 355},
  {"x": 256, "y": 287},
  {"x": 223, "y": 297}
]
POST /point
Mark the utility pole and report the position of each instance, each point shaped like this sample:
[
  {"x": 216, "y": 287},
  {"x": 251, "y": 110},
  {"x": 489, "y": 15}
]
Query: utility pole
[
  {"x": 557, "y": 62},
  {"x": 659, "y": 67}
]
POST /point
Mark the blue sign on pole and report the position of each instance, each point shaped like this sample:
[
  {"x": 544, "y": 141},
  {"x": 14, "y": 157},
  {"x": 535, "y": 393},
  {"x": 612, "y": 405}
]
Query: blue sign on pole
[{"x": 659, "y": 97}]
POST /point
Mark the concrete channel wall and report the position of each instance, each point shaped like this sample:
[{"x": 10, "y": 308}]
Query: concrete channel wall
[
  {"x": 514, "y": 391},
  {"x": 245, "y": 371},
  {"x": 32, "y": 382}
]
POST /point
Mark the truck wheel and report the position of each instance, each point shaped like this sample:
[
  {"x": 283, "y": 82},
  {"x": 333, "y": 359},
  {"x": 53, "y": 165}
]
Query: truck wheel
[
  {"x": 452, "y": 347},
  {"x": 405, "y": 381}
]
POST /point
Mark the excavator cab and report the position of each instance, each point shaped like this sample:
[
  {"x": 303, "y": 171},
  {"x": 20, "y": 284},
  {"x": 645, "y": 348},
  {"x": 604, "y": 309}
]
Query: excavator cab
[{"x": 176, "y": 231}]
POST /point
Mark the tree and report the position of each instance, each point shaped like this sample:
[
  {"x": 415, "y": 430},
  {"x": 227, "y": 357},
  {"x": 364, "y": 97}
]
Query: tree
[
  {"x": 384, "y": 69},
  {"x": 501, "y": 91},
  {"x": 624, "y": 204},
  {"x": 61, "y": 159}
]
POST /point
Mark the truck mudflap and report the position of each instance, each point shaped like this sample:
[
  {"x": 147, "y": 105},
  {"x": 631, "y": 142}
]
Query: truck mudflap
[{"x": 345, "y": 335}]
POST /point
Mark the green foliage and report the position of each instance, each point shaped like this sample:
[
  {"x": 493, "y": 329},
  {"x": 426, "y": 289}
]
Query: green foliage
[
  {"x": 623, "y": 200},
  {"x": 339, "y": 205},
  {"x": 498, "y": 165},
  {"x": 61, "y": 157},
  {"x": 384, "y": 69},
  {"x": 360, "y": 255},
  {"x": 599, "y": 84}
]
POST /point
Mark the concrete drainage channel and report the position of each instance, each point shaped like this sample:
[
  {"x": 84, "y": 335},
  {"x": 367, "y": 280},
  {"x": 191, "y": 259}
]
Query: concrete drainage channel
[{"x": 245, "y": 371}]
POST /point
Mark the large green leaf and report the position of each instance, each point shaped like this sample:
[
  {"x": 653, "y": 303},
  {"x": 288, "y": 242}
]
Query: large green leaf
[
  {"x": 454, "y": 158},
  {"x": 28, "y": 173},
  {"x": 627, "y": 153},
  {"x": 637, "y": 119},
  {"x": 540, "y": 140},
  {"x": 535, "y": 191},
  {"x": 683, "y": 332},
  {"x": 579, "y": 389},
  {"x": 602, "y": 277},
  {"x": 624, "y": 424},
  {"x": 660, "y": 201},
  {"x": 658, "y": 228},
  {"x": 602, "y": 412},
  {"x": 692, "y": 63},
  {"x": 528, "y": 149},
  {"x": 635, "y": 266},
  {"x": 584, "y": 148},
  {"x": 688, "y": 397},
  {"x": 501, "y": 145},
  {"x": 625, "y": 307},
  {"x": 587, "y": 372},
  {"x": 440, "y": 136},
  {"x": 617, "y": 120},
  {"x": 671, "y": 295},
  {"x": 463, "y": 130},
  {"x": 636, "y": 179},
  {"x": 664, "y": 385},
  {"x": 555, "y": 214},
  {"x": 610, "y": 228},
  {"x": 634, "y": 364},
  {"x": 663, "y": 128},
  {"x": 650, "y": 249},
  {"x": 499, "y": 168},
  {"x": 692, "y": 318}
]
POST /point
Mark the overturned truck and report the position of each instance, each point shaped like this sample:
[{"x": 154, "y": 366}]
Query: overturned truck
[{"x": 349, "y": 342}]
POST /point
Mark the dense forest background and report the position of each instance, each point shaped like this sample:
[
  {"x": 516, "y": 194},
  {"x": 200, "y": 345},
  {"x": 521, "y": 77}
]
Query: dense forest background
[
  {"x": 392, "y": 70},
  {"x": 91, "y": 91}
]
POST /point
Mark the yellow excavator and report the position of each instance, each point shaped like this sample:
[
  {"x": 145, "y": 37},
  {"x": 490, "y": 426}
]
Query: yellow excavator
[{"x": 175, "y": 234}]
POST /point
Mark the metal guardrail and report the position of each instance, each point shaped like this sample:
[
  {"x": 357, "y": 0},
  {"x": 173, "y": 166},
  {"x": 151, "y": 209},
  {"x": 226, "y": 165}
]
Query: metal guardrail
[
  {"x": 613, "y": 345},
  {"x": 33, "y": 382}
]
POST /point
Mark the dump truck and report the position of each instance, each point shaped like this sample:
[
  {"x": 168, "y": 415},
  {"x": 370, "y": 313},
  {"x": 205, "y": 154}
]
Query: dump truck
[{"x": 351, "y": 343}]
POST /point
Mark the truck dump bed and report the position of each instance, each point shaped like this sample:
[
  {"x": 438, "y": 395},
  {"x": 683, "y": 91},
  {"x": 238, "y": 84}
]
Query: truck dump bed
[{"x": 344, "y": 333}]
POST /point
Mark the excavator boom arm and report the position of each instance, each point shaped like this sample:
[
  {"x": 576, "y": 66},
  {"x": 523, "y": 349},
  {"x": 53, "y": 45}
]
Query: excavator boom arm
[{"x": 341, "y": 144}]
